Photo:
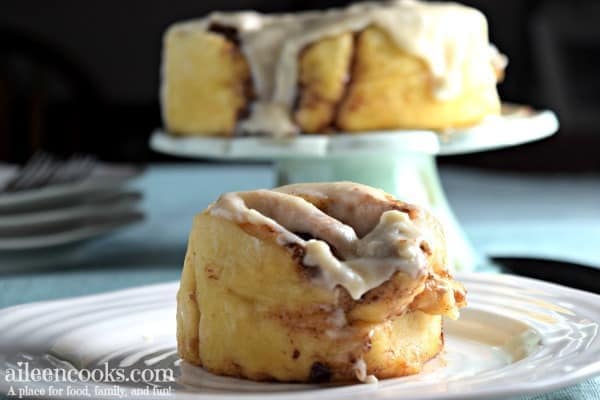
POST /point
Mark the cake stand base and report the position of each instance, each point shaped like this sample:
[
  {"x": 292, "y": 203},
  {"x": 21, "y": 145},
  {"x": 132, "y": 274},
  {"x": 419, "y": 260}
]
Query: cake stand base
[{"x": 411, "y": 177}]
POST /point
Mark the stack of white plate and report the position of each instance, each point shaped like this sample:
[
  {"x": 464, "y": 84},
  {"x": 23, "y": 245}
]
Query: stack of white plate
[{"x": 46, "y": 226}]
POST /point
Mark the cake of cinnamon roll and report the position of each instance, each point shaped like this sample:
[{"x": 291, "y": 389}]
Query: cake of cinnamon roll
[
  {"x": 314, "y": 283},
  {"x": 370, "y": 66}
]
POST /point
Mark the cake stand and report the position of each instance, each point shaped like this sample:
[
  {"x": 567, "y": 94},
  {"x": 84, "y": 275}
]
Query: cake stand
[{"x": 401, "y": 162}]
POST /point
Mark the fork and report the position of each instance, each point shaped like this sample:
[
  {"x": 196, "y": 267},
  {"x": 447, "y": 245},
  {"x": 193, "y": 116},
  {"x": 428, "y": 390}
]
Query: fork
[{"x": 43, "y": 169}]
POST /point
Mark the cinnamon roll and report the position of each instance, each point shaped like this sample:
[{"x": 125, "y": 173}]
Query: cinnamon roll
[
  {"x": 370, "y": 66},
  {"x": 312, "y": 283}
]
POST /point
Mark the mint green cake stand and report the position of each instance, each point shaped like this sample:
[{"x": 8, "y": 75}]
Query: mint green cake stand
[{"x": 400, "y": 162}]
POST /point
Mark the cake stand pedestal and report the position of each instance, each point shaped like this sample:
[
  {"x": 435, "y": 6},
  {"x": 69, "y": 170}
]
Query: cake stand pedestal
[{"x": 402, "y": 163}]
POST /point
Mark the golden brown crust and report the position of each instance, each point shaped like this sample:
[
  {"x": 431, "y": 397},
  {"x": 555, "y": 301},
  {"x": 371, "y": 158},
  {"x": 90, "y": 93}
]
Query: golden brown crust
[
  {"x": 206, "y": 83},
  {"x": 323, "y": 73},
  {"x": 188, "y": 312},
  {"x": 351, "y": 82},
  {"x": 287, "y": 330},
  {"x": 392, "y": 89},
  {"x": 384, "y": 88},
  {"x": 248, "y": 307}
]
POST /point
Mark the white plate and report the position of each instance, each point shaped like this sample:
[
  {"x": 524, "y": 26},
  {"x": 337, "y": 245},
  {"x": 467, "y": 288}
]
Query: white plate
[
  {"x": 517, "y": 125},
  {"x": 104, "y": 205},
  {"x": 104, "y": 177},
  {"x": 518, "y": 336},
  {"x": 73, "y": 231}
]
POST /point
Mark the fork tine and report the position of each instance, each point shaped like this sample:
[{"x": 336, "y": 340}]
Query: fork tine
[
  {"x": 60, "y": 173},
  {"x": 75, "y": 165},
  {"x": 85, "y": 165},
  {"x": 45, "y": 174},
  {"x": 90, "y": 164},
  {"x": 43, "y": 169},
  {"x": 36, "y": 175},
  {"x": 70, "y": 170},
  {"x": 29, "y": 171},
  {"x": 23, "y": 171}
]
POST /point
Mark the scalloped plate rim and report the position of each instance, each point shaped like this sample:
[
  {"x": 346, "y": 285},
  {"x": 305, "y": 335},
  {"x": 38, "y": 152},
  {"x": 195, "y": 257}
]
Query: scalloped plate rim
[{"x": 576, "y": 297}]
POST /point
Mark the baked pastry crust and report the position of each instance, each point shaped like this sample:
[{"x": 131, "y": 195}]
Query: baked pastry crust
[
  {"x": 391, "y": 89},
  {"x": 208, "y": 82},
  {"x": 371, "y": 66},
  {"x": 324, "y": 72},
  {"x": 249, "y": 305}
]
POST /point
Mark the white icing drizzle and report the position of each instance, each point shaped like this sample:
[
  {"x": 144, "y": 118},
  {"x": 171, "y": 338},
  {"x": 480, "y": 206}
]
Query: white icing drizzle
[
  {"x": 360, "y": 369},
  {"x": 338, "y": 322},
  {"x": 447, "y": 36},
  {"x": 268, "y": 117},
  {"x": 499, "y": 60},
  {"x": 389, "y": 245}
]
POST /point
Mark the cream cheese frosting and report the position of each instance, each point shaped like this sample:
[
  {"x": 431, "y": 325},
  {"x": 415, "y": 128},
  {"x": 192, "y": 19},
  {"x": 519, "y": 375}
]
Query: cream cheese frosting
[
  {"x": 358, "y": 243},
  {"x": 444, "y": 35}
]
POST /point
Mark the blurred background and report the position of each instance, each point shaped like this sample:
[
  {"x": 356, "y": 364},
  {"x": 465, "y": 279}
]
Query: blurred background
[{"x": 82, "y": 76}]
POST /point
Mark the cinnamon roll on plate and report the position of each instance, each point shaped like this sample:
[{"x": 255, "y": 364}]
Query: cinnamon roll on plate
[{"x": 313, "y": 283}]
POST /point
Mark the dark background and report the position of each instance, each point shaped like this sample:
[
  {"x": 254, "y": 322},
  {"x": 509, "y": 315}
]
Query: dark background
[{"x": 82, "y": 76}]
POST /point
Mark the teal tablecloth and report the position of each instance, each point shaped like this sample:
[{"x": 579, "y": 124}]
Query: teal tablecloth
[{"x": 153, "y": 251}]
